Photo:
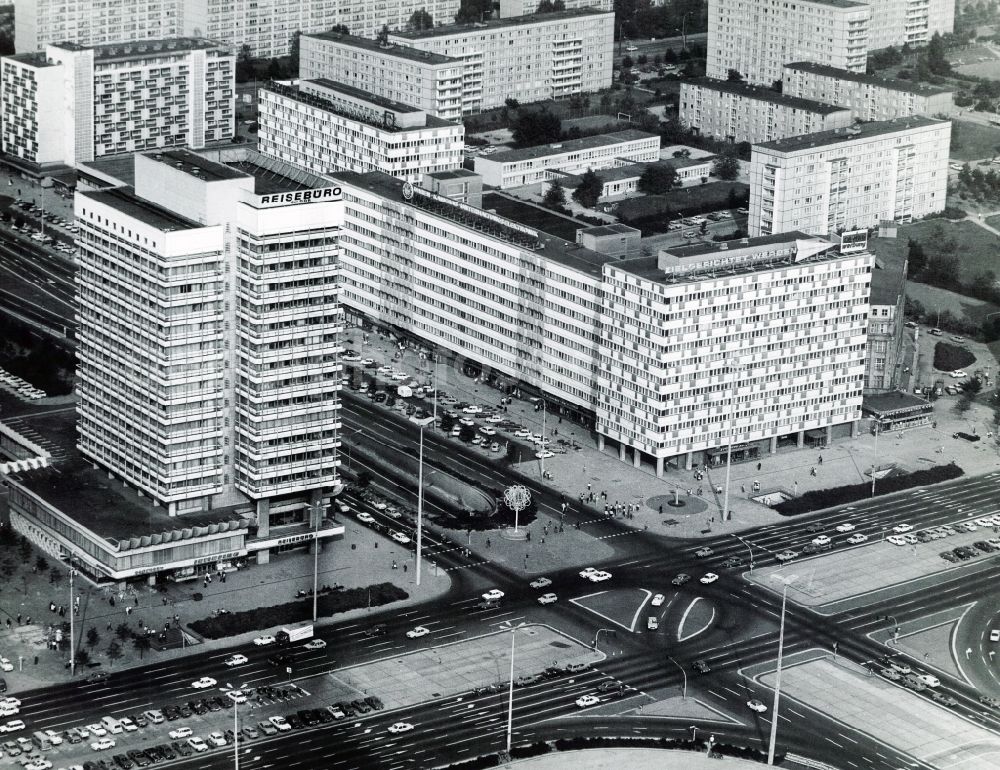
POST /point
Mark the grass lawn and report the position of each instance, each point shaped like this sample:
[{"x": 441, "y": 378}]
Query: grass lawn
[
  {"x": 971, "y": 141},
  {"x": 993, "y": 221},
  {"x": 693, "y": 200},
  {"x": 977, "y": 248},
  {"x": 530, "y": 216}
]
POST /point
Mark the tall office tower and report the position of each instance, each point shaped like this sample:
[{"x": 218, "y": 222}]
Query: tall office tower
[
  {"x": 210, "y": 325},
  {"x": 744, "y": 342},
  {"x": 93, "y": 22},
  {"x": 70, "y": 103},
  {"x": 326, "y": 126},
  {"x": 528, "y": 58},
  {"x": 850, "y": 178},
  {"x": 757, "y": 37}
]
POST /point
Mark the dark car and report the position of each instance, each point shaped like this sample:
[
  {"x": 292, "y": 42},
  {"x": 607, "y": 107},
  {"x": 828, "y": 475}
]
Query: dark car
[
  {"x": 139, "y": 757},
  {"x": 983, "y": 546},
  {"x": 307, "y": 717},
  {"x": 140, "y": 720},
  {"x": 732, "y": 561},
  {"x": 324, "y": 716},
  {"x": 949, "y": 556},
  {"x": 72, "y": 736},
  {"x": 122, "y": 761},
  {"x": 701, "y": 667},
  {"x": 375, "y": 702},
  {"x": 222, "y": 703},
  {"x": 281, "y": 659},
  {"x": 944, "y": 699},
  {"x": 166, "y": 752},
  {"x": 182, "y": 748},
  {"x": 360, "y": 706},
  {"x": 155, "y": 754},
  {"x": 379, "y": 397},
  {"x": 347, "y": 708},
  {"x": 524, "y": 681},
  {"x": 294, "y": 721},
  {"x": 815, "y": 528},
  {"x": 197, "y": 706},
  {"x": 376, "y": 630},
  {"x": 171, "y": 713},
  {"x": 213, "y": 704},
  {"x": 185, "y": 711},
  {"x": 611, "y": 686},
  {"x": 97, "y": 676},
  {"x": 681, "y": 579},
  {"x": 990, "y": 701},
  {"x": 552, "y": 672}
]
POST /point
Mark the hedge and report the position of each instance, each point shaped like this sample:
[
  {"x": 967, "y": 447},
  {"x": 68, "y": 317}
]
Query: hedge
[
  {"x": 234, "y": 623},
  {"x": 949, "y": 358},
  {"x": 818, "y": 499}
]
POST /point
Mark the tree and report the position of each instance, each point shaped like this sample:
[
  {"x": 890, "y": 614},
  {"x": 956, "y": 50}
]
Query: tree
[
  {"x": 420, "y": 20},
  {"x": 41, "y": 565},
  {"x": 114, "y": 652},
  {"x": 670, "y": 56},
  {"x": 24, "y": 549},
  {"x": 550, "y": 6},
  {"x": 293, "y": 52},
  {"x": 470, "y": 11},
  {"x": 511, "y": 103},
  {"x": 383, "y": 36},
  {"x": 122, "y": 631},
  {"x": 726, "y": 166},
  {"x": 734, "y": 76},
  {"x": 364, "y": 480},
  {"x": 935, "y": 56},
  {"x": 467, "y": 433},
  {"x": 589, "y": 190},
  {"x": 917, "y": 259},
  {"x": 536, "y": 127},
  {"x": 447, "y": 423},
  {"x": 658, "y": 179},
  {"x": 244, "y": 64},
  {"x": 93, "y": 637},
  {"x": 275, "y": 70},
  {"x": 141, "y": 644},
  {"x": 627, "y": 62},
  {"x": 82, "y": 656},
  {"x": 555, "y": 195},
  {"x": 340, "y": 29}
]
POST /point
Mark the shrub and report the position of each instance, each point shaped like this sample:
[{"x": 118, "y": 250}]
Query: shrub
[
  {"x": 234, "y": 623},
  {"x": 818, "y": 499},
  {"x": 948, "y": 357}
]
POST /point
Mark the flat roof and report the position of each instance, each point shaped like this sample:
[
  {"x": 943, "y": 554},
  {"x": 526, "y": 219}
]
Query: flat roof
[
  {"x": 548, "y": 246},
  {"x": 195, "y": 164},
  {"x": 120, "y": 167},
  {"x": 763, "y": 94},
  {"x": 367, "y": 96},
  {"x": 633, "y": 170},
  {"x": 458, "y": 173},
  {"x": 884, "y": 403},
  {"x": 123, "y": 199},
  {"x": 616, "y": 228},
  {"x": 858, "y": 132},
  {"x": 888, "y": 282},
  {"x": 570, "y": 145},
  {"x": 907, "y": 86},
  {"x": 492, "y": 24},
  {"x": 401, "y": 51},
  {"x": 141, "y": 49},
  {"x": 34, "y": 58}
]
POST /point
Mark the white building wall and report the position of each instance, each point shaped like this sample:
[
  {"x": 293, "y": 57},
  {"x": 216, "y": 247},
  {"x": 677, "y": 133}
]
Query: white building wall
[
  {"x": 765, "y": 353},
  {"x": 909, "y": 21},
  {"x": 853, "y": 183},
  {"x": 757, "y": 38},
  {"x": 93, "y": 22}
]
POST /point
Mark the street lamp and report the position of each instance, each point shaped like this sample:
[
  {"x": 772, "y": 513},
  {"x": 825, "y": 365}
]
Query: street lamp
[
  {"x": 597, "y": 636},
  {"x": 423, "y": 423},
  {"x": 684, "y": 694},
  {"x": 786, "y": 581},
  {"x": 510, "y": 694},
  {"x": 875, "y": 456},
  {"x": 72, "y": 612},
  {"x": 748, "y": 548},
  {"x": 236, "y": 724}
]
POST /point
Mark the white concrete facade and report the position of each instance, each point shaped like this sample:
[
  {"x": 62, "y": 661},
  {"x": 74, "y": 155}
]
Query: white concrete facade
[
  {"x": 867, "y": 96},
  {"x": 511, "y": 8},
  {"x": 114, "y": 99},
  {"x": 93, "y": 22},
  {"x": 516, "y": 168},
  {"x": 324, "y": 127},
  {"x": 752, "y": 340},
  {"x": 210, "y": 331},
  {"x": 757, "y": 37},
  {"x": 400, "y": 74},
  {"x": 850, "y": 178},
  {"x": 739, "y": 112},
  {"x": 909, "y": 21},
  {"x": 528, "y": 58}
]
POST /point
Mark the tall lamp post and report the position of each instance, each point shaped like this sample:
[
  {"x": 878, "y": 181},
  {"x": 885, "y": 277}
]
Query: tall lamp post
[
  {"x": 236, "y": 723},
  {"x": 875, "y": 457},
  {"x": 510, "y": 693},
  {"x": 748, "y": 548},
  {"x": 684, "y": 694},
  {"x": 72, "y": 612},
  {"x": 423, "y": 423},
  {"x": 786, "y": 581}
]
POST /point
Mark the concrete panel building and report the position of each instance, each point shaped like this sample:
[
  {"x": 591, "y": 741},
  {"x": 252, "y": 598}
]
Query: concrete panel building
[
  {"x": 511, "y": 8},
  {"x": 528, "y": 58},
  {"x": 71, "y": 104},
  {"x": 849, "y": 179},
  {"x": 909, "y": 21},
  {"x": 869, "y": 97},
  {"x": 751, "y": 341},
  {"x": 93, "y": 22},
  {"x": 740, "y": 112},
  {"x": 757, "y": 38},
  {"x": 428, "y": 81},
  {"x": 884, "y": 357},
  {"x": 516, "y": 168},
  {"x": 326, "y": 126}
]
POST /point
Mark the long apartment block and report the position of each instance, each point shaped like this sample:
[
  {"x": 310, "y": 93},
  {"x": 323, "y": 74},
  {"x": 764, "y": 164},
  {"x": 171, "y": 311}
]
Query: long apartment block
[
  {"x": 851, "y": 178},
  {"x": 70, "y": 103}
]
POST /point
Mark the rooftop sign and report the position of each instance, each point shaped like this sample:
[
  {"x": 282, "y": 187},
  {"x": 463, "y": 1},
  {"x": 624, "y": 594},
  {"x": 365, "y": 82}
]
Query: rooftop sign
[{"x": 322, "y": 194}]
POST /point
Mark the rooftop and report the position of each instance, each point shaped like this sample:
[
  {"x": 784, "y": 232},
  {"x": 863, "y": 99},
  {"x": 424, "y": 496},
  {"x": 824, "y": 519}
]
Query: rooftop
[
  {"x": 123, "y": 199},
  {"x": 887, "y": 403},
  {"x": 110, "y": 167},
  {"x": 143, "y": 49},
  {"x": 401, "y": 51},
  {"x": 632, "y": 170},
  {"x": 907, "y": 86},
  {"x": 34, "y": 58},
  {"x": 857, "y": 133},
  {"x": 484, "y": 223},
  {"x": 458, "y": 173},
  {"x": 888, "y": 282},
  {"x": 561, "y": 148},
  {"x": 617, "y": 228},
  {"x": 761, "y": 93},
  {"x": 367, "y": 96},
  {"x": 196, "y": 165},
  {"x": 271, "y": 175},
  {"x": 494, "y": 24}
]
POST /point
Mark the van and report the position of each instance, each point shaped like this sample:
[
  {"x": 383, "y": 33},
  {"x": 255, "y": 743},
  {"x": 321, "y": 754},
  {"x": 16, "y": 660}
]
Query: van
[
  {"x": 112, "y": 725},
  {"x": 41, "y": 741}
]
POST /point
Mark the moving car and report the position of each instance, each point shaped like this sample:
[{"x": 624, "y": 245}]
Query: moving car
[
  {"x": 708, "y": 577},
  {"x": 658, "y": 600},
  {"x": 599, "y": 576},
  {"x": 701, "y": 667},
  {"x": 400, "y": 727},
  {"x": 756, "y": 705},
  {"x": 262, "y": 641},
  {"x": 542, "y": 582},
  {"x": 548, "y": 599},
  {"x": 367, "y": 518},
  {"x": 681, "y": 579},
  {"x": 703, "y": 552},
  {"x": 929, "y": 679},
  {"x": 417, "y": 632},
  {"x": 901, "y": 528},
  {"x": 857, "y": 538},
  {"x": 400, "y": 538},
  {"x": 821, "y": 540},
  {"x": 494, "y": 594},
  {"x": 315, "y": 644},
  {"x": 845, "y": 527},
  {"x": 205, "y": 681},
  {"x": 587, "y": 700},
  {"x": 237, "y": 660},
  {"x": 586, "y": 572}
]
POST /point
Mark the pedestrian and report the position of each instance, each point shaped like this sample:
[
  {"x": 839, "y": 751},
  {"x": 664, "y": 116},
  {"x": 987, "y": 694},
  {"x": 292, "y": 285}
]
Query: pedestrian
[
  {"x": 394, "y": 565},
  {"x": 137, "y": 600},
  {"x": 758, "y": 466},
  {"x": 821, "y": 459},
  {"x": 109, "y": 625},
  {"x": 128, "y": 610},
  {"x": 28, "y": 621},
  {"x": 52, "y": 607},
  {"x": 62, "y": 611},
  {"x": 404, "y": 568},
  {"x": 487, "y": 542},
  {"x": 588, "y": 487},
  {"x": 661, "y": 510},
  {"x": 111, "y": 601},
  {"x": 528, "y": 536},
  {"x": 8, "y": 623},
  {"x": 543, "y": 540}
]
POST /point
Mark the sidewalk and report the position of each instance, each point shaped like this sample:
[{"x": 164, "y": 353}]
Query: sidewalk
[{"x": 27, "y": 594}]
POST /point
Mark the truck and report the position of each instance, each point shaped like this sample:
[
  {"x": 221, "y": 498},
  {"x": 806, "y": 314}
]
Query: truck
[{"x": 298, "y": 632}]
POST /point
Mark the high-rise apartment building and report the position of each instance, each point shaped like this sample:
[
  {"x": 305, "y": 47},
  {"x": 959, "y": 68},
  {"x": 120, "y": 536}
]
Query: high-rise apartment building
[
  {"x": 93, "y": 22},
  {"x": 71, "y": 103},
  {"x": 898, "y": 22},
  {"x": 745, "y": 341},
  {"x": 848, "y": 179},
  {"x": 758, "y": 37},
  {"x": 509, "y": 8},
  {"x": 398, "y": 73},
  {"x": 868, "y": 97},
  {"x": 528, "y": 58},
  {"x": 326, "y": 126},
  {"x": 740, "y": 112},
  {"x": 209, "y": 334}
]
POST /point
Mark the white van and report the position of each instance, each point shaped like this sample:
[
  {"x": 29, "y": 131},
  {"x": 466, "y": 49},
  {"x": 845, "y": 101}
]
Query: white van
[{"x": 112, "y": 725}]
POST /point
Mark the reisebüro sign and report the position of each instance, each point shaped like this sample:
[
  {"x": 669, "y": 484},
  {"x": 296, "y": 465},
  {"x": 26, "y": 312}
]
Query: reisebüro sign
[{"x": 301, "y": 196}]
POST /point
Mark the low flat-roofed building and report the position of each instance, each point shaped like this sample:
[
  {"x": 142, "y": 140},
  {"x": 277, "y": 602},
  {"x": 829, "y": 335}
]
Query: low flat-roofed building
[
  {"x": 740, "y": 112},
  {"x": 516, "y": 168},
  {"x": 327, "y": 126},
  {"x": 624, "y": 180},
  {"x": 615, "y": 240},
  {"x": 897, "y": 411},
  {"x": 869, "y": 97},
  {"x": 460, "y": 185}
]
